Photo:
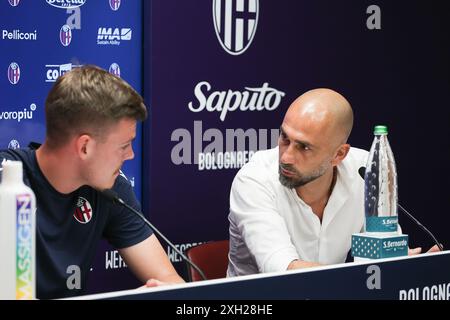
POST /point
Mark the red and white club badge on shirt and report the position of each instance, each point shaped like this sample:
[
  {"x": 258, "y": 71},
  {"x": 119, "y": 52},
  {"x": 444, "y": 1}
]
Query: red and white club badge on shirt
[{"x": 83, "y": 212}]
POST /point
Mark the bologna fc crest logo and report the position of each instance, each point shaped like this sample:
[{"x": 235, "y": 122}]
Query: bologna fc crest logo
[
  {"x": 14, "y": 3},
  {"x": 83, "y": 211},
  {"x": 235, "y": 22},
  {"x": 65, "y": 35},
  {"x": 114, "y": 69},
  {"x": 13, "y": 144},
  {"x": 114, "y": 4},
  {"x": 13, "y": 73}
]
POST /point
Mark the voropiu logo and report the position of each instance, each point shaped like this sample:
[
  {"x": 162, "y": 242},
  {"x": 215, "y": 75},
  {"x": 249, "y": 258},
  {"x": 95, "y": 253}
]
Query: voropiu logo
[
  {"x": 114, "y": 4},
  {"x": 66, "y": 4},
  {"x": 235, "y": 25},
  {"x": 114, "y": 69},
  {"x": 13, "y": 73},
  {"x": 65, "y": 35},
  {"x": 19, "y": 115},
  {"x": 14, "y": 3}
]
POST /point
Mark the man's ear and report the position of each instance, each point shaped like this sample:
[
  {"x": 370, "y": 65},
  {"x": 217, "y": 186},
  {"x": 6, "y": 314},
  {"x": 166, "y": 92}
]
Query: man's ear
[
  {"x": 341, "y": 153},
  {"x": 84, "y": 146}
]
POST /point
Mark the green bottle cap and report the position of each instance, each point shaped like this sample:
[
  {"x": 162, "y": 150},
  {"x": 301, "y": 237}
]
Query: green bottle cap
[{"x": 380, "y": 130}]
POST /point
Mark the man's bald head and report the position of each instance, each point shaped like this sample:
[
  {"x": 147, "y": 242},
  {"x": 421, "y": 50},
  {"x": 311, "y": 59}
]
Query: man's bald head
[
  {"x": 324, "y": 111},
  {"x": 313, "y": 138}
]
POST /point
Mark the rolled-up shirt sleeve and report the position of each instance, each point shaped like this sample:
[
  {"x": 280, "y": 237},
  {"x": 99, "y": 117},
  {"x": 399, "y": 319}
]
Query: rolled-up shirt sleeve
[{"x": 261, "y": 227}]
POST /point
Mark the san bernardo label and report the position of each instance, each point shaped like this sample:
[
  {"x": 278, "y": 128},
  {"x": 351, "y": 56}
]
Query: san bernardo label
[{"x": 381, "y": 224}]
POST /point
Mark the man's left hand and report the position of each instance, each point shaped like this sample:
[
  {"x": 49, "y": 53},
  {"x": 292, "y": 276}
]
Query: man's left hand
[{"x": 418, "y": 250}]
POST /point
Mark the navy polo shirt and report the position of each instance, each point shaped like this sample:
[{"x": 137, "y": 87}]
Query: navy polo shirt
[{"x": 70, "y": 226}]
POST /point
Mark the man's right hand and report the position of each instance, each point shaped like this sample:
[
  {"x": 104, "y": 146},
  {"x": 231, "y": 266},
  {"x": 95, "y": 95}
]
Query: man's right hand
[{"x": 155, "y": 283}]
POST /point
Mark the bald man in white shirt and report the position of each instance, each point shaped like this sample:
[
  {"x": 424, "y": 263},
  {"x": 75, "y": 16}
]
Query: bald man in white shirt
[{"x": 297, "y": 205}]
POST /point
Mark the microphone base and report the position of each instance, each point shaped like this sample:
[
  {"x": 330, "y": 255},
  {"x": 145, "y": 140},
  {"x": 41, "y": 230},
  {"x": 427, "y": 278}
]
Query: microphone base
[{"x": 379, "y": 246}]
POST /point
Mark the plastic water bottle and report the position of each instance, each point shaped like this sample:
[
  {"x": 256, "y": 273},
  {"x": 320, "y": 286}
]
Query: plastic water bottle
[
  {"x": 380, "y": 194},
  {"x": 17, "y": 235}
]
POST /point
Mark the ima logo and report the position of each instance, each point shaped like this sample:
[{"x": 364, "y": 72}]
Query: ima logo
[
  {"x": 83, "y": 211},
  {"x": 13, "y": 73},
  {"x": 235, "y": 23},
  {"x": 114, "y": 69},
  {"x": 65, "y": 35},
  {"x": 114, "y": 4},
  {"x": 14, "y": 3}
]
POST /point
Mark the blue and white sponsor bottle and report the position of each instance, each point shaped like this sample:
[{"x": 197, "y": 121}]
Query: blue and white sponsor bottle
[
  {"x": 17, "y": 235},
  {"x": 380, "y": 194}
]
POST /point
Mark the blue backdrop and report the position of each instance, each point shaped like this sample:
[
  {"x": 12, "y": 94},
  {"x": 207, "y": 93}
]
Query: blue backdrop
[{"x": 46, "y": 39}]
